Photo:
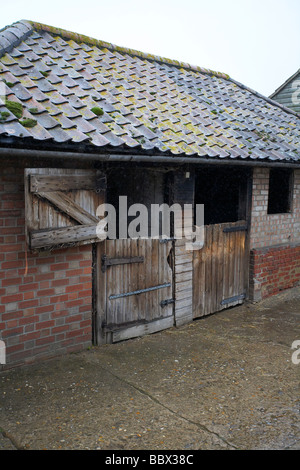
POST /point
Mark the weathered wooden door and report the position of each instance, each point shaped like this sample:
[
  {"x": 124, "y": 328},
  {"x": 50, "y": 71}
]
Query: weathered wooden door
[
  {"x": 61, "y": 205},
  {"x": 134, "y": 288},
  {"x": 220, "y": 269}
]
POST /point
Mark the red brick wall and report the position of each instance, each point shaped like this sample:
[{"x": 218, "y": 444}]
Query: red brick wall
[
  {"x": 45, "y": 298},
  {"x": 273, "y": 269}
]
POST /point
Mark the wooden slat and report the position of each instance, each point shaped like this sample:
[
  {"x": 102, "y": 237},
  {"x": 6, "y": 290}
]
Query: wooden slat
[
  {"x": 207, "y": 298},
  {"x": 69, "y": 207},
  {"x": 62, "y": 236},
  {"x": 163, "y": 251},
  {"x": 141, "y": 278},
  {"x": 155, "y": 260},
  {"x": 219, "y": 266},
  {"x": 47, "y": 183},
  {"x": 183, "y": 283},
  {"x": 213, "y": 292},
  {"x": 184, "y": 276},
  {"x": 135, "y": 306},
  {"x": 184, "y": 294},
  {"x": 183, "y": 315},
  {"x": 181, "y": 268},
  {"x": 140, "y": 330},
  {"x": 226, "y": 258},
  {"x": 100, "y": 292}
]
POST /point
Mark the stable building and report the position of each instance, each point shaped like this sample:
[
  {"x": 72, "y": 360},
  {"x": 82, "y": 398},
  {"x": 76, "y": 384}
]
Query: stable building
[{"x": 84, "y": 123}]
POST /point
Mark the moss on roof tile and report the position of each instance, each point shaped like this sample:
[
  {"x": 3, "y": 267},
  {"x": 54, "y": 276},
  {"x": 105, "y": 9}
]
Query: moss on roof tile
[
  {"x": 81, "y": 38},
  {"x": 15, "y": 108}
]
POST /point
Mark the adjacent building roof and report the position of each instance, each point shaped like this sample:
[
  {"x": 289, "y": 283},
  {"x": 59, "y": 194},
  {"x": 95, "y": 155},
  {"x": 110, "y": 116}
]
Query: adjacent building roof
[
  {"x": 65, "y": 88},
  {"x": 288, "y": 94}
]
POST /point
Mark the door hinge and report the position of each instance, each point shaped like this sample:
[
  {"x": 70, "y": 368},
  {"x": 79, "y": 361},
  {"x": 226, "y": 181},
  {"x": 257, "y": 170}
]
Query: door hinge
[
  {"x": 166, "y": 302},
  {"x": 237, "y": 228},
  {"x": 117, "y": 261},
  {"x": 233, "y": 299}
]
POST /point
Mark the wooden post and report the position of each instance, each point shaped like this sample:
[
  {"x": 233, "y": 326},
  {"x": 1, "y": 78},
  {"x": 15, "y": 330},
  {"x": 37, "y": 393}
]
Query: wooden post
[
  {"x": 184, "y": 182},
  {"x": 99, "y": 295}
]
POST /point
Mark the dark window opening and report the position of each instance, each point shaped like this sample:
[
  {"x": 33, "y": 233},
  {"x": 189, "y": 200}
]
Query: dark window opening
[
  {"x": 280, "y": 191},
  {"x": 223, "y": 191},
  {"x": 140, "y": 186}
]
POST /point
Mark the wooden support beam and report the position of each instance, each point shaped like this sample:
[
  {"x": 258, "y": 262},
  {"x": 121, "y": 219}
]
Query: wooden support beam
[
  {"x": 69, "y": 207},
  {"x": 61, "y": 236}
]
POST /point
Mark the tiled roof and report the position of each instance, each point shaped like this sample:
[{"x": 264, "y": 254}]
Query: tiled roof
[{"x": 75, "y": 89}]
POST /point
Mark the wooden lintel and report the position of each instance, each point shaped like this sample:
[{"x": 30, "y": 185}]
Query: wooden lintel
[
  {"x": 61, "y": 236},
  {"x": 49, "y": 183}
]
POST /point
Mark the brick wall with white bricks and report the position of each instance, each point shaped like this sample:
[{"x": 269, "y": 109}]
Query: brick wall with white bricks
[
  {"x": 274, "y": 240},
  {"x": 46, "y": 298},
  {"x": 273, "y": 229}
]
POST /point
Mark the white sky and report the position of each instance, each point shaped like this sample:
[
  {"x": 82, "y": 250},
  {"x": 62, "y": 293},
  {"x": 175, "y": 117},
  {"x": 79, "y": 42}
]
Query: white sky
[{"x": 256, "y": 42}]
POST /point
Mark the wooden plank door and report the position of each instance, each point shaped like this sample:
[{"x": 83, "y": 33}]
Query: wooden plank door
[
  {"x": 134, "y": 288},
  {"x": 220, "y": 269}
]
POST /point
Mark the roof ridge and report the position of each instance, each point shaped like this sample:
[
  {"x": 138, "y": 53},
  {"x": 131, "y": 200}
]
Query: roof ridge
[
  {"x": 97, "y": 42},
  {"x": 12, "y": 35},
  {"x": 195, "y": 68}
]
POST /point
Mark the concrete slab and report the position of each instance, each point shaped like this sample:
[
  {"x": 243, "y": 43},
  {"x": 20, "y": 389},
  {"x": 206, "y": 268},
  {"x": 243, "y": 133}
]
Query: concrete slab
[{"x": 226, "y": 381}]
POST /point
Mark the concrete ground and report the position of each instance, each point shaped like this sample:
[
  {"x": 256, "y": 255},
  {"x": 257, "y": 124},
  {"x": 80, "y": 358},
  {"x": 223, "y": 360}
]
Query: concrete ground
[{"x": 226, "y": 381}]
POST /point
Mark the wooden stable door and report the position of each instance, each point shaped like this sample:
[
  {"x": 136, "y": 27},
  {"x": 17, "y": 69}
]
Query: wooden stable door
[
  {"x": 134, "y": 288},
  {"x": 220, "y": 269}
]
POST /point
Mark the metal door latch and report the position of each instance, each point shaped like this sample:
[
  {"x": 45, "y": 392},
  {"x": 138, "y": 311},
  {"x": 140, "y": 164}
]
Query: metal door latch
[{"x": 166, "y": 302}]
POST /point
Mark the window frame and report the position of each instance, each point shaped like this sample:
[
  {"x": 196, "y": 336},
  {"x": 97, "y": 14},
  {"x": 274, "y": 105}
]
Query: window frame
[{"x": 289, "y": 195}]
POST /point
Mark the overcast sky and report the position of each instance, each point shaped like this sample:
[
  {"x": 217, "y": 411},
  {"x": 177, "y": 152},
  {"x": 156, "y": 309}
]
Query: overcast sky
[{"x": 256, "y": 42}]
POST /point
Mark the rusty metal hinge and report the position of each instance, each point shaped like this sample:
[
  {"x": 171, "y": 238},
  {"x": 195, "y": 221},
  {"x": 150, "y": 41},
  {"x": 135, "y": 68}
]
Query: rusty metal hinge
[
  {"x": 166, "y": 240},
  {"x": 237, "y": 228},
  {"x": 233, "y": 299},
  {"x": 117, "y": 261},
  {"x": 166, "y": 302}
]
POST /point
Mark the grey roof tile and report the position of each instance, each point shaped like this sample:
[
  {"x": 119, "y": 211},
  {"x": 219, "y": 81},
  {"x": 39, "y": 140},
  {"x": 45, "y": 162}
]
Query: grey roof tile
[
  {"x": 67, "y": 110},
  {"x": 38, "y": 95},
  {"x": 47, "y": 121},
  {"x": 56, "y": 99},
  {"x": 76, "y": 135},
  {"x": 45, "y": 86},
  {"x": 98, "y": 139},
  {"x": 83, "y": 125},
  {"x": 14, "y": 129},
  {"x": 59, "y": 135},
  {"x": 21, "y": 92}
]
